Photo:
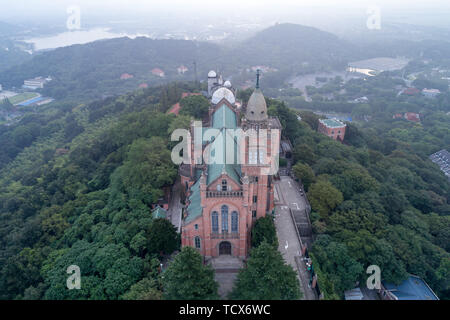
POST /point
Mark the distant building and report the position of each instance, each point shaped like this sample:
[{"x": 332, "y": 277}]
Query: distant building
[
  {"x": 159, "y": 213},
  {"x": 333, "y": 128},
  {"x": 36, "y": 83},
  {"x": 361, "y": 293},
  {"x": 442, "y": 159},
  {"x": 182, "y": 70},
  {"x": 360, "y": 100},
  {"x": 158, "y": 72},
  {"x": 411, "y": 116},
  {"x": 411, "y": 91},
  {"x": 126, "y": 76},
  {"x": 353, "y": 294},
  {"x": 177, "y": 107},
  {"x": 263, "y": 69},
  {"x": 413, "y": 288},
  {"x": 143, "y": 86},
  {"x": 430, "y": 93}
]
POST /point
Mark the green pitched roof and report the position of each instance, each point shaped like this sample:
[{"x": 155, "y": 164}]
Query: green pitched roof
[
  {"x": 224, "y": 117},
  {"x": 159, "y": 212},
  {"x": 194, "y": 208}
]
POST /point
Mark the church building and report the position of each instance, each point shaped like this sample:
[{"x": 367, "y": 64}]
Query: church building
[{"x": 224, "y": 198}]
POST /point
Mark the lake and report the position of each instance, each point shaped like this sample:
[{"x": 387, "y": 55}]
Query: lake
[{"x": 76, "y": 37}]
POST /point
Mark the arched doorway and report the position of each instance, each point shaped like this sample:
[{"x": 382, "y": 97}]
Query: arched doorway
[{"x": 225, "y": 248}]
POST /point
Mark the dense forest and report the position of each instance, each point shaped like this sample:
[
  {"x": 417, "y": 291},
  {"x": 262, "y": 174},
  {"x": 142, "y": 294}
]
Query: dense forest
[
  {"x": 72, "y": 188},
  {"x": 77, "y": 188},
  {"x": 78, "y": 177},
  {"x": 377, "y": 199},
  {"x": 72, "y": 191}
]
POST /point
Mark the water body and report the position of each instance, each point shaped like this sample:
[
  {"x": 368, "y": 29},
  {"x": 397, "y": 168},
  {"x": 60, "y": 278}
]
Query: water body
[{"x": 69, "y": 38}]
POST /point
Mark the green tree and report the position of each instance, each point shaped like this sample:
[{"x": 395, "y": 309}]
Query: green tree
[
  {"x": 264, "y": 230},
  {"x": 354, "y": 181},
  {"x": 163, "y": 237},
  {"x": 180, "y": 122},
  {"x": 187, "y": 278},
  {"x": 305, "y": 173},
  {"x": 324, "y": 198},
  {"x": 266, "y": 277},
  {"x": 304, "y": 153},
  {"x": 194, "y": 106},
  {"x": 334, "y": 260},
  {"x": 146, "y": 289},
  {"x": 147, "y": 169}
]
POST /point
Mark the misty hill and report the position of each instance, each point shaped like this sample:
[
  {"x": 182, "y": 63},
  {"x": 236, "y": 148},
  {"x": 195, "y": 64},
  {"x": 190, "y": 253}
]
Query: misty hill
[
  {"x": 293, "y": 45},
  {"x": 10, "y": 55},
  {"x": 7, "y": 29},
  {"x": 94, "y": 69}
]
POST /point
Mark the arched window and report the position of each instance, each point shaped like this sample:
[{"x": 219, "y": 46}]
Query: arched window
[
  {"x": 234, "y": 222},
  {"x": 224, "y": 185},
  {"x": 215, "y": 221},
  {"x": 197, "y": 242},
  {"x": 224, "y": 218}
]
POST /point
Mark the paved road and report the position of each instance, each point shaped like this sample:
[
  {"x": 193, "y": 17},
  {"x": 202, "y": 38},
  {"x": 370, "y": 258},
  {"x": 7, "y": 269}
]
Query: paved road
[
  {"x": 288, "y": 197},
  {"x": 175, "y": 206}
]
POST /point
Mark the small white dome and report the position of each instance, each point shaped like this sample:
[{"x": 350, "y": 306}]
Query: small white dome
[
  {"x": 221, "y": 93},
  {"x": 212, "y": 74},
  {"x": 227, "y": 84}
]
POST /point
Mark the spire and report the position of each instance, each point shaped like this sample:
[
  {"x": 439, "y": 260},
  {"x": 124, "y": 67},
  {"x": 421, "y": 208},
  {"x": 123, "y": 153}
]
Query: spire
[
  {"x": 256, "y": 106},
  {"x": 258, "y": 74}
]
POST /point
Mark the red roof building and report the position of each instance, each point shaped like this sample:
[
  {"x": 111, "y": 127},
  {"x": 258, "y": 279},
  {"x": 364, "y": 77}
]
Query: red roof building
[
  {"x": 177, "y": 107},
  {"x": 410, "y": 116},
  {"x": 126, "y": 76},
  {"x": 411, "y": 91},
  {"x": 158, "y": 72},
  {"x": 182, "y": 69},
  {"x": 143, "y": 86},
  {"x": 333, "y": 128}
]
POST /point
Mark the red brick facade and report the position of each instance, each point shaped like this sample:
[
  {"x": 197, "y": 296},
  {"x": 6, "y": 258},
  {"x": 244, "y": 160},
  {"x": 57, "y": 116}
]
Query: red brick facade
[
  {"x": 335, "y": 132},
  {"x": 228, "y": 206}
]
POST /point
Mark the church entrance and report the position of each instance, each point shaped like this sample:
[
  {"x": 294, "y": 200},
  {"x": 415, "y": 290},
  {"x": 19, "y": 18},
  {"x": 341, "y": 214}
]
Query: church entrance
[{"x": 225, "y": 248}]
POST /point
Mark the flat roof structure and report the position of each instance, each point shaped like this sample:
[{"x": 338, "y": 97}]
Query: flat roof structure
[
  {"x": 413, "y": 288},
  {"x": 332, "y": 123}
]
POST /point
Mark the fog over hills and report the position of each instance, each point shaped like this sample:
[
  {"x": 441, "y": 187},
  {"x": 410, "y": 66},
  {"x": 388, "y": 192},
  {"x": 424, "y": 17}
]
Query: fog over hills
[{"x": 94, "y": 69}]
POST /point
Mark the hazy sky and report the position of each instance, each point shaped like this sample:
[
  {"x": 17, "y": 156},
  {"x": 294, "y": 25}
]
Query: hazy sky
[
  {"x": 27, "y": 7},
  {"x": 40, "y": 10}
]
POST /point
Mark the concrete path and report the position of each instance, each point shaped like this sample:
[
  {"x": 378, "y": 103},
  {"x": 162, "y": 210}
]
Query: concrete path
[
  {"x": 288, "y": 238},
  {"x": 226, "y": 270},
  {"x": 175, "y": 206}
]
